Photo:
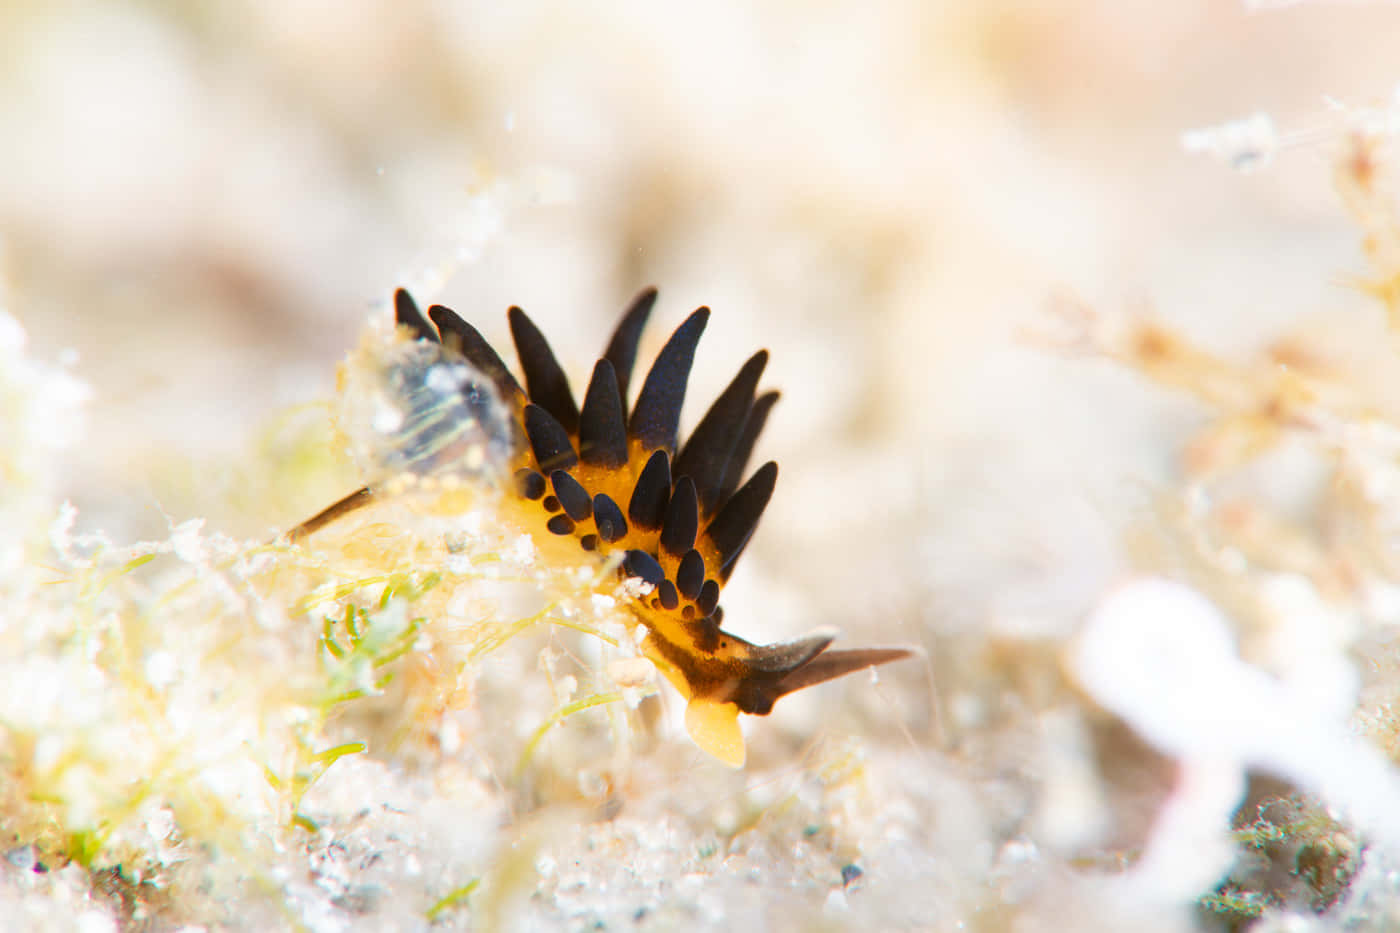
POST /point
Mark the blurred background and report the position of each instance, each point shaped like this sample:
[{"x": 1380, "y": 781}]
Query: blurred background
[{"x": 201, "y": 204}]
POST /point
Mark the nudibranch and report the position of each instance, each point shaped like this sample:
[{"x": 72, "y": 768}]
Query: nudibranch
[{"x": 616, "y": 479}]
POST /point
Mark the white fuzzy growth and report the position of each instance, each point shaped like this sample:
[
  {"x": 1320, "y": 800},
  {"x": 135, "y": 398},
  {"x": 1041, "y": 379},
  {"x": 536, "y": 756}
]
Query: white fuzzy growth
[
  {"x": 187, "y": 541},
  {"x": 1162, "y": 657},
  {"x": 1253, "y": 142},
  {"x": 1246, "y": 144},
  {"x": 162, "y": 668},
  {"x": 631, "y": 672}
]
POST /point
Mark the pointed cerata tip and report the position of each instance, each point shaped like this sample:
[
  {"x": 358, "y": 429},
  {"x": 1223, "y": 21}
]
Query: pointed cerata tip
[{"x": 714, "y": 726}]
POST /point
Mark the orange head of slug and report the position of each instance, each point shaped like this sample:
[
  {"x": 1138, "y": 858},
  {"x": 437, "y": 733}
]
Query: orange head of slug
[{"x": 616, "y": 479}]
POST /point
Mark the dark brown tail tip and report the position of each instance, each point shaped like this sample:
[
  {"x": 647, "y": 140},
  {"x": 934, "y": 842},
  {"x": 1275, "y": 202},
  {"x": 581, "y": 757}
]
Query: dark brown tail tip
[{"x": 832, "y": 664}]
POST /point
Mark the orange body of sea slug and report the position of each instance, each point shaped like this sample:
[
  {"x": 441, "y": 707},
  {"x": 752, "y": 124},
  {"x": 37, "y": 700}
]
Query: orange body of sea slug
[{"x": 618, "y": 480}]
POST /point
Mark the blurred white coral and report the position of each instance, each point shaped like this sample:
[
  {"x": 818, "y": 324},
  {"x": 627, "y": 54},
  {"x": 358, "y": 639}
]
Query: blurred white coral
[{"x": 1162, "y": 657}]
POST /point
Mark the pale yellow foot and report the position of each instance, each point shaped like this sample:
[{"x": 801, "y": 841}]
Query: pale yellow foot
[{"x": 714, "y": 726}]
